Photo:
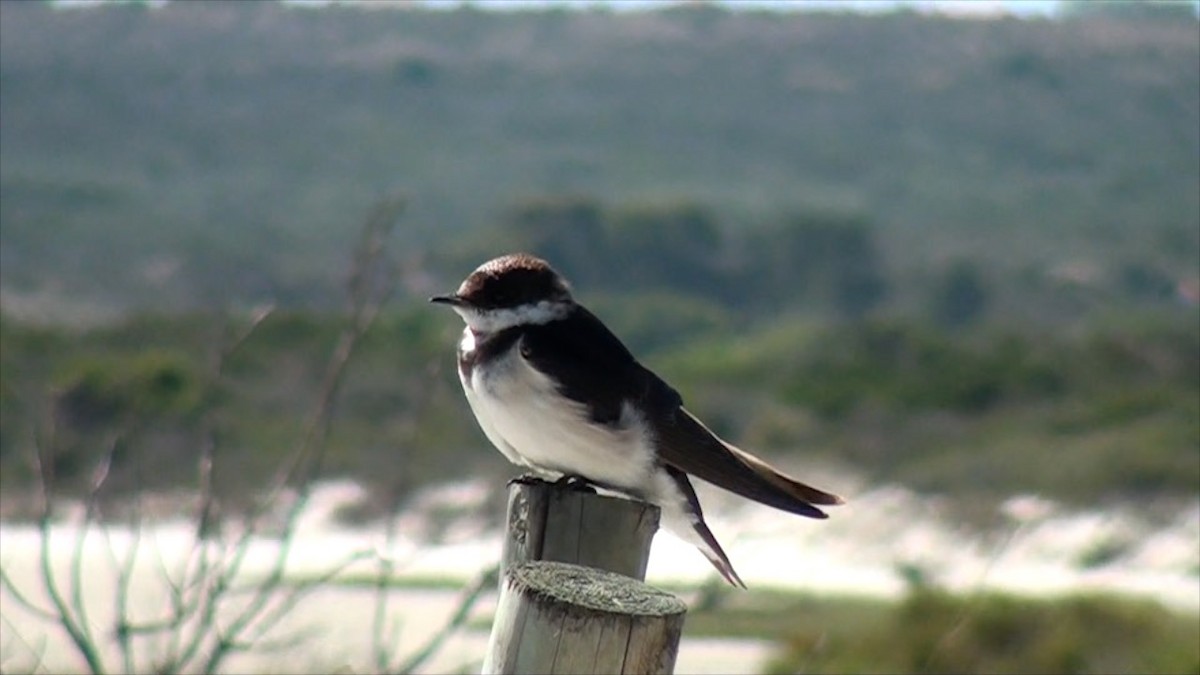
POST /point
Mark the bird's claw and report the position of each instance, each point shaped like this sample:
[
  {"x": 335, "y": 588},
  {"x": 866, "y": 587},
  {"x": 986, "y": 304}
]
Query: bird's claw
[
  {"x": 575, "y": 483},
  {"x": 566, "y": 482}
]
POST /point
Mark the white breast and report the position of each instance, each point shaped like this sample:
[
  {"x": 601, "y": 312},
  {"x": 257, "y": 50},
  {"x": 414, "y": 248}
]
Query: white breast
[
  {"x": 525, "y": 416},
  {"x": 467, "y": 346}
]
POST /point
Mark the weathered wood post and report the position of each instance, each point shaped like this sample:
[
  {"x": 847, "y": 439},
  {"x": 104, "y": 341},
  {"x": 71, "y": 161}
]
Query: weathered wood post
[
  {"x": 552, "y": 522},
  {"x": 572, "y": 599}
]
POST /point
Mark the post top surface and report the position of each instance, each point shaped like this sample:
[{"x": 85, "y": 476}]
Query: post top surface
[{"x": 595, "y": 589}]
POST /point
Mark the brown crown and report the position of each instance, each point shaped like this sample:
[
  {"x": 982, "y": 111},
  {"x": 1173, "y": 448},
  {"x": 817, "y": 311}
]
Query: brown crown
[{"x": 513, "y": 280}]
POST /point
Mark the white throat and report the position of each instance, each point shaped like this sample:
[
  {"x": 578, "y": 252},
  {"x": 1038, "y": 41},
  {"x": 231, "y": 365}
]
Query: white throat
[{"x": 493, "y": 320}]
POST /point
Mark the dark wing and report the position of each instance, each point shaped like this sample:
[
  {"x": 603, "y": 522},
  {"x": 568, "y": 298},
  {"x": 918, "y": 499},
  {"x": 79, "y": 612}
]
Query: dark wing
[
  {"x": 592, "y": 366},
  {"x": 687, "y": 444},
  {"x": 595, "y": 369}
]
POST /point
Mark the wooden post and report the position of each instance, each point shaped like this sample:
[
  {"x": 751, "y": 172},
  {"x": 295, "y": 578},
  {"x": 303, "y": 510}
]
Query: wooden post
[
  {"x": 572, "y": 597},
  {"x": 553, "y": 522},
  {"x": 561, "y": 618}
]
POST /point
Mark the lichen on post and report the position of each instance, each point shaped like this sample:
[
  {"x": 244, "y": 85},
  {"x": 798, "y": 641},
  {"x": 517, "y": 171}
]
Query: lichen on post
[{"x": 557, "y": 617}]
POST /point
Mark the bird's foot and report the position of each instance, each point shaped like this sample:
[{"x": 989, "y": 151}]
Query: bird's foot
[
  {"x": 564, "y": 482},
  {"x": 575, "y": 483}
]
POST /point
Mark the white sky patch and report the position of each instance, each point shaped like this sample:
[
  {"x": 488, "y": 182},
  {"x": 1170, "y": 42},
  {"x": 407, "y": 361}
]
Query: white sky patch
[
  {"x": 972, "y": 8},
  {"x": 966, "y": 9},
  {"x": 960, "y": 8}
]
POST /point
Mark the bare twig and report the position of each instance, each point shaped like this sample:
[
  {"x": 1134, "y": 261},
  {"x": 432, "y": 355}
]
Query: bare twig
[
  {"x": 384, "y": 637},
  {"x": 485, "y": 582},
  {"x": 193, "y": 606},
  {"x": 381, "y": 636},
  {"x": 973, "y": 600},
  {"x": 78, "y": 606},
  {"x": 65, "y": 618},
  {"x": 125, "y": 570},
  {"x": 211, "y": 590},
  {"x": 371, "y": 284},
  {"x": 40, "y": 612},
  {"x": 205, "y": 584},
  {"x": 180, "y": 607},
  {"x": 366, "y": 296},
  {"x": 207, "y": 499},
  {"x": 38, "y": 652},
  {"x": 296, "y": 592}
]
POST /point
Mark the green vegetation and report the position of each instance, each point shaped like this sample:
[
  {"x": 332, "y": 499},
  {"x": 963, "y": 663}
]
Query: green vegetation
[
  {"x": 956, "y": 255},
  {"x": 930, "y": 631},
  {"x": 992, "y": 412},
  {"x": 951, "y": 254},
  {"x": 208, "y": 154},
  {"x": 1109, "y": 411}
]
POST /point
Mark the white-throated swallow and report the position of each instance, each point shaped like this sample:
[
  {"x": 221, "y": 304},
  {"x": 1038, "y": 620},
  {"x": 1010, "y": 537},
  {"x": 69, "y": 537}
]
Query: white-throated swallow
[{"x": 558, "y": 393}]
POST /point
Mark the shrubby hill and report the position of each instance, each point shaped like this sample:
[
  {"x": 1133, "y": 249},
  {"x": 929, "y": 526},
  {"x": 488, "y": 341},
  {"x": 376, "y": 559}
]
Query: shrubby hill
[
  {"x": 954, "y": 254},
  {"x": 203, "y": 154}
]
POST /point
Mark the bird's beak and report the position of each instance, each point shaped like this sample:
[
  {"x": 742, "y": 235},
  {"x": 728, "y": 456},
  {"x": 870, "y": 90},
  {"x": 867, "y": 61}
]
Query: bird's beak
[{"x": 452, "y": 300}]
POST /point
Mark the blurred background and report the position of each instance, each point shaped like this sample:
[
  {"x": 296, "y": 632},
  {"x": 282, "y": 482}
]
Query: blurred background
[{"x": 940, "y": 258}]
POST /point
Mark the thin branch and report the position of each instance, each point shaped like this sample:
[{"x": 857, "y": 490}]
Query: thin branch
[
  {"x": 365, "y": 300},
  {"x": 206, "y": 580},
  {"x": 200, "y": 587},
  {"x": 38, "y": 652},
  {"x": 284, "y": 642},
  {"x": 193, "y": 591},
  {"x": 42, "y": 613},
  {"x": 973, "y": 600},
  {"x": 259, "y": 315},
  {"x": 366, "y": 295},
  {"x": 125, "y": 569},
  {"x": 205, "y": 507},
  {"x": 379, "y": 647},
  {"x": 262, "y": 593},
  {"x": 267, "y": 620},
  {"x": 68, "y": 622},
  {"x": 209, "y": 598},
  {"x": 483, "y": 583},
  {"x": 384, "y": 636},
  {"x": 178, "y": 612},
  {"x": 216, "y": 566},
  {"x": 260, "y": 645},
  {"x": 99, "y": 476}
]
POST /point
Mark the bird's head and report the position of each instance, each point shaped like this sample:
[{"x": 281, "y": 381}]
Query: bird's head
[{"x": 512, "y": 290}]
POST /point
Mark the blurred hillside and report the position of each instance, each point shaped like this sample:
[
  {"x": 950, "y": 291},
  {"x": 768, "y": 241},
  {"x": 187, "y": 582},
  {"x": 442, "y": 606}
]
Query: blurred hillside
[
  {"x": 959, "y": 255},
  {"x": 202, "y": 155}
]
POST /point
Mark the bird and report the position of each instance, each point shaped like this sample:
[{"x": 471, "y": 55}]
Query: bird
[{"x": 559, "y": 394}]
